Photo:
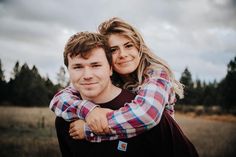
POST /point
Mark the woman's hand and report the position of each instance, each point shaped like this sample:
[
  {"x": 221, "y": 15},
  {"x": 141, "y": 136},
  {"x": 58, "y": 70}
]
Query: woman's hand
[
  {"x": 97, "y": 120},
  {"x": 77, "y": 129}
]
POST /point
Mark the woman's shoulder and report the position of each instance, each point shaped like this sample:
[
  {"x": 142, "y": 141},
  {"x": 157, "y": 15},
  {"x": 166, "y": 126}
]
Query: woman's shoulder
[{"x": 156, "y": 71}]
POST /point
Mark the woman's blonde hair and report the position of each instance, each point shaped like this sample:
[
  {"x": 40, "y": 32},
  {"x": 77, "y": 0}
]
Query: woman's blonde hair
[{"x": 148, "y": 59}]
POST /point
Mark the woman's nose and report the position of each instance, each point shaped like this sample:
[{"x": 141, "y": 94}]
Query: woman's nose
[{"x": 122, "y": 53}]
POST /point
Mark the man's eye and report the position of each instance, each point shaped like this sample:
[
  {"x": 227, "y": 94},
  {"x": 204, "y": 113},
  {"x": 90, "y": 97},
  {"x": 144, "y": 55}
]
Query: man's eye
[
  {"x": 78, "y": 67},
  {"x": 96, "y": 65}
]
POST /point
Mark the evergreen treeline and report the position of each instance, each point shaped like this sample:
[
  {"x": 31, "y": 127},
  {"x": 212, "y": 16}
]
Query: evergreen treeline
[
  {"x": 26, "y": 87},
  {"x": 221, "y": 93}
]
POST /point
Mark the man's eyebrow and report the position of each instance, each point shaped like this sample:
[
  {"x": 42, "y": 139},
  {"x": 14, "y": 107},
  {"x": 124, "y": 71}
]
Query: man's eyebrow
[
  {"x": 98, "y": 62},
  {"x": 77, "y": 64}
]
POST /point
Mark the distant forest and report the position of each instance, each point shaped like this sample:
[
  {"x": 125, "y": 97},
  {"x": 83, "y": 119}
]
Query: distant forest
[{"x": 27, "y": 87}]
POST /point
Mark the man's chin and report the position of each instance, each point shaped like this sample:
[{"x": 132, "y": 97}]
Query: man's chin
[{"x": 88, "y": 95}]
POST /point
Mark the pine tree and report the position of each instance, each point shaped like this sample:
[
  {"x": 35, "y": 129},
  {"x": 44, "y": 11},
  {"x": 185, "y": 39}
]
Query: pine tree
[
  {"x": 186, "y": 79},
  {"x": 227, "y": 86},
  {"x": 210, "y": 94},
  {"x": 198, "y": 92},
  {"x": 16, "y": 70},
  {"x": 28, "y": 87},
  {"x": 2, "y": 77},
  {"x": 3, "y": 85}
]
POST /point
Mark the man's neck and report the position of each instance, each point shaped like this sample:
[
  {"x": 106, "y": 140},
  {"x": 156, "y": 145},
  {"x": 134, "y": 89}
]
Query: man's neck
[{"x": 107, "y": 95}]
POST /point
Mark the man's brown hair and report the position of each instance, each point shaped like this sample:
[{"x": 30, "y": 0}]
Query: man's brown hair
[{"x": 83, "y": 42}]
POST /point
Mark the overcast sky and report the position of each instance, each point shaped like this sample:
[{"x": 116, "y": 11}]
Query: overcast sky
[{"x": 198, "y": 34}]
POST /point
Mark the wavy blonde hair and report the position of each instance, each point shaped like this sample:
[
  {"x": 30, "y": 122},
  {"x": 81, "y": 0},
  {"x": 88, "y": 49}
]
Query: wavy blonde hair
[{"x": 148, "y": 59}]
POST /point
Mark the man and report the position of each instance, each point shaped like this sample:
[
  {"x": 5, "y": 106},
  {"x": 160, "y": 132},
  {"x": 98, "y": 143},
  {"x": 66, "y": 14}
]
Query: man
[{"x": 88, "y": 60}]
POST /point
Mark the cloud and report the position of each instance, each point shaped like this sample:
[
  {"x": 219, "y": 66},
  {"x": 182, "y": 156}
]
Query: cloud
[{"x": 200, "y": 35}]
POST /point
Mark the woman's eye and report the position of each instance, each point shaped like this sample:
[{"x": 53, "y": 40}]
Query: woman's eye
[
  {"x": 129, "y": 45},
  {"x": 113, "y": 50}
]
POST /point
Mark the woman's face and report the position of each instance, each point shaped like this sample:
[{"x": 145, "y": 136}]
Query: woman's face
[{"x": 125, "y": 56}]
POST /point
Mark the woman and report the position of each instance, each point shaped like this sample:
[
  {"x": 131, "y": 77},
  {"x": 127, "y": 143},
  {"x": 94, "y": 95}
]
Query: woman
[{"x": 135, "y": 68}]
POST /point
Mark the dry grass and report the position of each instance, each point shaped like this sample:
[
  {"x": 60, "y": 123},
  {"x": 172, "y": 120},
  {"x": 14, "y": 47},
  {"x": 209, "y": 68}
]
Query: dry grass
[
  {"x": 215, "y": 117},
  {"x": 213, "y": 136},
  {"x": 223, "y": 118},
  {"x": 27, "y": 132},
  {"x": 31, "y": 132}
]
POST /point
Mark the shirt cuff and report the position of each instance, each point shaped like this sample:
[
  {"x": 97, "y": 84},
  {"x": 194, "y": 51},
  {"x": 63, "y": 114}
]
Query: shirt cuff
[
  {"x": 89, "y": 135},
  {"x": 87, "y": 107}
]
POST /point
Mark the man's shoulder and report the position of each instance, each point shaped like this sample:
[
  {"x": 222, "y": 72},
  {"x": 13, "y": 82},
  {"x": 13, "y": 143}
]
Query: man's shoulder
[
  {"x": 124, "y": 97},
  {"x": 125, "y": 93}
]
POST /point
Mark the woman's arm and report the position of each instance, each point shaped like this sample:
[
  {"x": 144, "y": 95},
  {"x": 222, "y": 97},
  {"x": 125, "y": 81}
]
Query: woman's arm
[
  {"x": 142, "y": 114},
  {"x": 68, "y": 105},
  {"x": 79, "y": 128}
]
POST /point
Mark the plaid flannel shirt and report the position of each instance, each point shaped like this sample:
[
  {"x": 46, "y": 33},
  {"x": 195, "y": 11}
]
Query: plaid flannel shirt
[{"x": 143, "y": 113}]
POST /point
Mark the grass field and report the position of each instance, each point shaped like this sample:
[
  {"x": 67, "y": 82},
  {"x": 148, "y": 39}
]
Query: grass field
[{"x": 29, "y": 132}]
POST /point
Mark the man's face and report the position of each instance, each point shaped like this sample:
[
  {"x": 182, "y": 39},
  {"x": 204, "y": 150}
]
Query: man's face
[{"x": 90, "y": 76}]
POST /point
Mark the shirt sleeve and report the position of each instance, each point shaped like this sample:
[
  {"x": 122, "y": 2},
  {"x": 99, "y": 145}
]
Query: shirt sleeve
[
  {"x": 92, "y": 137},
  {"x": 170, "y": 110},
  {"x": 68, "y": 105},
  {"x": 142, "y": 114}
]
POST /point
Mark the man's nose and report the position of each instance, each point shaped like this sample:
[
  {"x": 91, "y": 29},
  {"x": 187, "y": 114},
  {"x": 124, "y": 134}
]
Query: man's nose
[{"x": 87, "y": 73}]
